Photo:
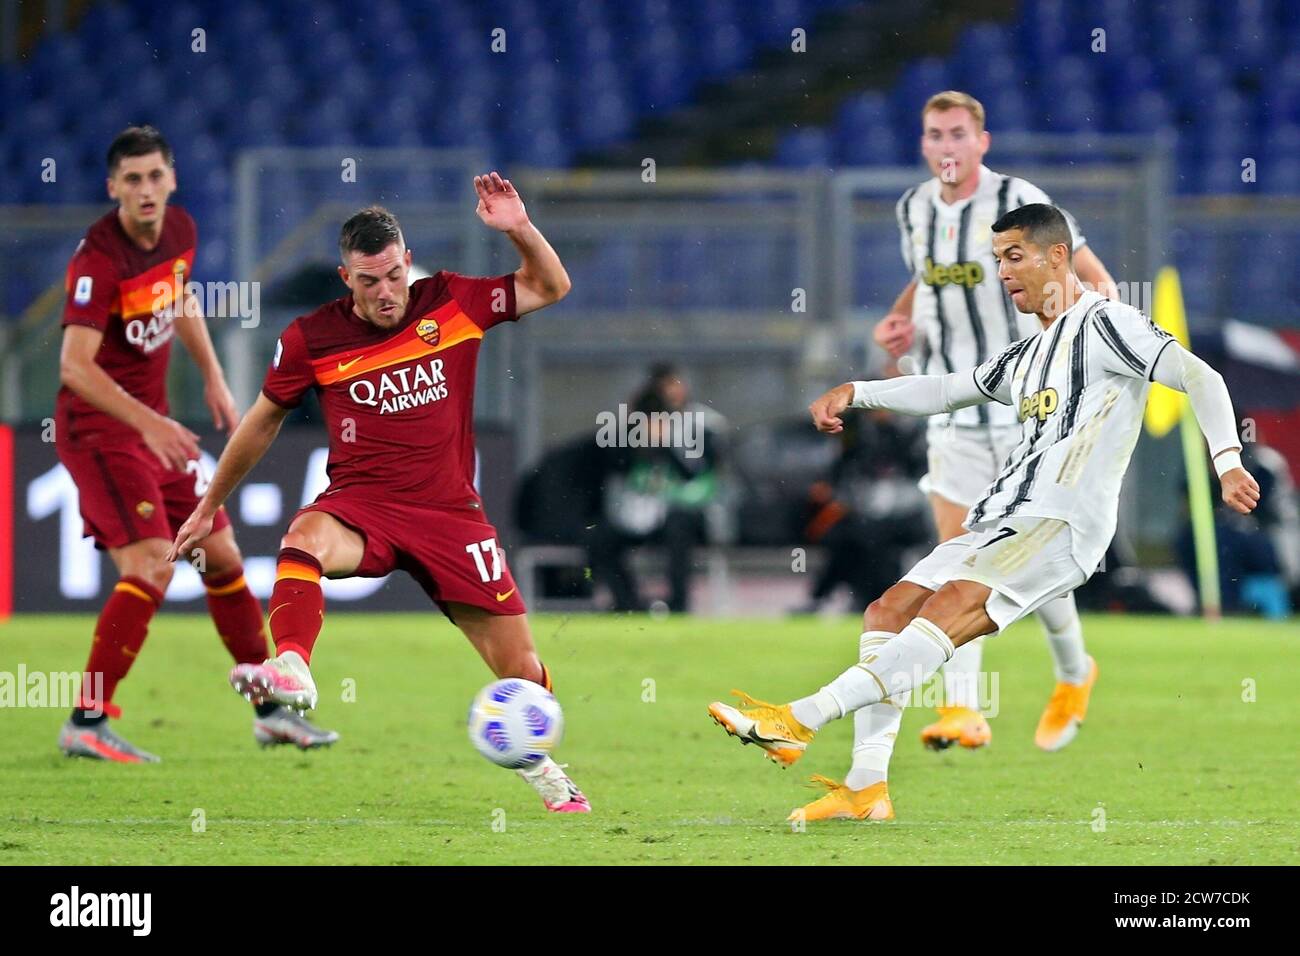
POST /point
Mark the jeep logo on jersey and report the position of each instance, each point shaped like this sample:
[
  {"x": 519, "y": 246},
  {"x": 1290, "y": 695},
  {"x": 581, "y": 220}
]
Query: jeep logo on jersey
[
  {"x": 1039, "y": 405},
  {"x": 401, "y": 389},
  {"x": 427, "y": 329},
  {"x": 969, "y": 274}
]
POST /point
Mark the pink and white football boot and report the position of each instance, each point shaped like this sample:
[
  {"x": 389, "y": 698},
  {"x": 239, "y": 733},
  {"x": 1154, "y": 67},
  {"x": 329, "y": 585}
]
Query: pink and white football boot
[
  {"x": 558, "y": 792},
  {"x": 284, "y": 679}
]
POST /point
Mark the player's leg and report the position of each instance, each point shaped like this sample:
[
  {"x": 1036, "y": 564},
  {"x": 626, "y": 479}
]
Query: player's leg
[
  {"x": 237, "y": 615},
  {"x": 317, "y": 544},
  {"x": 784, "y": 738},
  {"x": 983, "y": 582},
  {"x": 892, "y": 669},
  {"x": 960, "y": 720},
  {"x": 121, "y": 504},
  {"x": 864, "y": 794},
  {"x": 1076, "y": 673},
  {"x": 120, "y": 631},
  {"x": 235, "y": 612},
  {"x": 505, "y": 642}
]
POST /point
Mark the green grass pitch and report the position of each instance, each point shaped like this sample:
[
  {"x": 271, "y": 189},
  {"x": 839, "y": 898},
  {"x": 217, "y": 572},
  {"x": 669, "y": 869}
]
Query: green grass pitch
[{"x": 1183, "y": 768}]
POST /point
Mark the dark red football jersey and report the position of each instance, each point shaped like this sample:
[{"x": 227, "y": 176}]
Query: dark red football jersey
[
  {"x": 398, "y": 403},
  {"x": 127, "y": 293}
]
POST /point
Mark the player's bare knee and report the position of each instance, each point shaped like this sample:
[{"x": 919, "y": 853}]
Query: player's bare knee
[
  {"x": 302, "y": 539},
  {"x": 157, "y": 572}
]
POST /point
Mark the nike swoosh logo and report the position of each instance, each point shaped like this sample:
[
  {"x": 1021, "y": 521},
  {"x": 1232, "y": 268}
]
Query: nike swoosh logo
[
  {"x": 502, "y": 597},
  {"x": 278, "y": 607},
  {"x": 344, "y": 366}
]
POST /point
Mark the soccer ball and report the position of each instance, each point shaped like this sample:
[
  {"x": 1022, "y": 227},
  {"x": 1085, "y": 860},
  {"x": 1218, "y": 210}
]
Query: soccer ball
[{"x": 515, "y": 723}]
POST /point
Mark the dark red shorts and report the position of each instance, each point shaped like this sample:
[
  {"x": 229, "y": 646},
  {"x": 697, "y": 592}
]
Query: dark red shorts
[
  {"x": 127, "y": 495},
  {"x": 453, "y": 555}
]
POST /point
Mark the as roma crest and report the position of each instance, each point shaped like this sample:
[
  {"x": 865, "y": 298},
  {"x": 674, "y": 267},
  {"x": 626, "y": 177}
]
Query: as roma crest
[{"x": 427, "y": 329}]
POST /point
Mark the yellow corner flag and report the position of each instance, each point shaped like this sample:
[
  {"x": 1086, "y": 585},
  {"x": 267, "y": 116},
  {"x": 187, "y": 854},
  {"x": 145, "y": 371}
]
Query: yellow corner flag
[
  {"x": 1167, "y": 408},
  {"x": 1164, "y": 404}
]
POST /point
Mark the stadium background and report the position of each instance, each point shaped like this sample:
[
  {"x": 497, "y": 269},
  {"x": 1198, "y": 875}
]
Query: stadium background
[{"x": 757, "y": 256}]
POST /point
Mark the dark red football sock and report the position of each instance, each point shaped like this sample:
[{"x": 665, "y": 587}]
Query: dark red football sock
[
  {"x": 119, "y": 634},
  {"x": 237, "y": 615},
  {"x": 297, "y": 605}
]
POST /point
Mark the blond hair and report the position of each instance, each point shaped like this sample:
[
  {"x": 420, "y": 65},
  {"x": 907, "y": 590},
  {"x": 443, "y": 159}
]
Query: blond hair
[{"x": 956, "y": 100}]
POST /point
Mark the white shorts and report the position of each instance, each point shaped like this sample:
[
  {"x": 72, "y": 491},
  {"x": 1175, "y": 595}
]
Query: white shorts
[
  {"x": 1026, "y": 561},
  {"x": 965, "y": 459}
]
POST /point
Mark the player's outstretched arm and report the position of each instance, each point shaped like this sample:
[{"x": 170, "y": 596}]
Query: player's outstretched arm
[
  {"x": 171, "y": 442},
  {"x": 244, "y": 450},
  {"x": 193, "y": 333},
  {"x": 541, "y": 278},
  {"x": 1206, "y": 390},
  {"x": 910, "y": 395}
]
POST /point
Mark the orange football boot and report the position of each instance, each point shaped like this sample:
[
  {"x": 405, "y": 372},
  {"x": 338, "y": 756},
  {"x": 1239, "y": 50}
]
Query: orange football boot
[
  {"x": 957, "y": 725},
  {"x": 772, "y": 726},
  {"x": 841, "y": 803},
  {"x": 1065, "y": 712}
]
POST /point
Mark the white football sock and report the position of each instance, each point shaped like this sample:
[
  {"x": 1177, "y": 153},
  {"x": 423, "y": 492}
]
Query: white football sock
[
  {"x": 961, "y": 676},
  {"x": 892, "y": 669},
  {"x": 875, "y": 727},
  {"x": 1060, "y": 620}
]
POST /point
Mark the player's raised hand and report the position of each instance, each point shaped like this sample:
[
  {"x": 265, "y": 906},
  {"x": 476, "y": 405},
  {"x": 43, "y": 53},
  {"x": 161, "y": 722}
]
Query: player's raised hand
[
  {"x": 225, "y": 414},
  {"x": 499, "y": 205},
  {"x": 196, "y": 527},
  {"x": 826, "y": 410},
  {"x": 1240, "y": 490},
  {"x": 894, "y": 333},
  {"x": 171, "y": 442}
]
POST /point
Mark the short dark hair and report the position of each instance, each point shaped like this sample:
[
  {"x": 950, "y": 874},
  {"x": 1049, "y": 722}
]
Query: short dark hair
[
  {"x": 369, "y": 231},
  {"x": 661, "y": 372},
  {"x": 1043, "y": 224},
  {"x": 137, "y": 141}
]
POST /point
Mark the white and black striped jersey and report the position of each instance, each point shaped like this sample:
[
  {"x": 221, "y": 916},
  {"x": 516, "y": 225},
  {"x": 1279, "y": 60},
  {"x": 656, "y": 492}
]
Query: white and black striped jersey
[
  {"x": 960, "y": 309},
  {"x": 1079, "y": 390}
]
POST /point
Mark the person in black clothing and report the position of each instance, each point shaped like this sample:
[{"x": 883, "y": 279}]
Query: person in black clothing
[
  {"x": 658, "y": 493},
  {"x": 869, "y": 511}
]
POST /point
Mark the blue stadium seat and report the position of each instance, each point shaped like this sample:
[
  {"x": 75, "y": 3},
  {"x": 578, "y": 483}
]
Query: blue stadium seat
[
  {"x": 1221, "y": 173},
  {"x": 1147, "y": 112},
  {"x": 999, "y": 74},
  {"x": 1073, "y": 111},
  {"x": 863, "y": 111},
  {"x": 1042, "y": 31},
  {"x": 804, "y": 148},
  {"x": 1009, "y": 111},
  {"x": 876, "y": 145},
  {"x": 918, "y": 82},
  {"x": 1278, "y": 173}
]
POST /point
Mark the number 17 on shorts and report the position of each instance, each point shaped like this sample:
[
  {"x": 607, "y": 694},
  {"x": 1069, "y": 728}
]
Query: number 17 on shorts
[{"x": 482, "y": 552}]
